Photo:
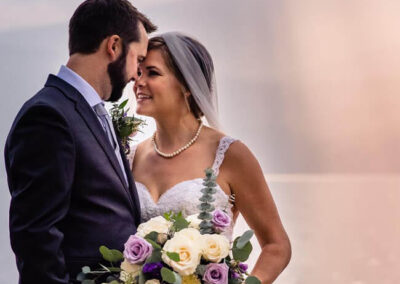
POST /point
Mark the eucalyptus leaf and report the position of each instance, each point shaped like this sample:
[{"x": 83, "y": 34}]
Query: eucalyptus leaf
[
  {"x": 86, "y": 269},
  {"x": 208, "y": 190},
  {"x": 178, "y": 278},
  {"x": 244, "y": 239},
  {"x": 206, "y": 207},
  {"x": 206, "y": 225},
  {"x": 81, "y": 276},
  {"x": 142, "y": 278},
  {"x": 241, "y": 254},
  {"x": 117, "y": 255},
  {"x": 167, "y": 275},
  {"x": 207, "y": 198},
  {"x": 201, "y": 269},
  {"x": 204, "y": 216},
  {"x": 106, "y": 253},
  {"x": 252, "y": 280}
]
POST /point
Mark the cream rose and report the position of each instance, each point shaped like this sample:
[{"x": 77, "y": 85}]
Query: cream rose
[
  {"x": 152, "y": 281},
  {"x": 214, "y": 247},
  {"x": 129, "y": 270},
  {"x": 157, "y": 224},
  {"x": 192, "y": 234},
  {"x": 194, "y": 221},
  {"x": 189, "y": 252}
]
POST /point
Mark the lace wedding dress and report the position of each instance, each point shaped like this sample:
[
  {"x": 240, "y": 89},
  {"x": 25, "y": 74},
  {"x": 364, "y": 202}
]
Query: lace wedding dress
[{"x": 185, "y": 195}]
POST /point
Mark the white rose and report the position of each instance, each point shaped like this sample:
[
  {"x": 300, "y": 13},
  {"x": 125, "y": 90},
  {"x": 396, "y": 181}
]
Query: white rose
[
  {"x": 194, "y": 221},
  {"x": 152, "y": 281},
  {"x": 189, "y": 252},
  {"x": 215, "y": 247},
  {"x": 129, "y": 270},
  {"x": 192, "y": 234},
  {"x": 157, "y": 224}
]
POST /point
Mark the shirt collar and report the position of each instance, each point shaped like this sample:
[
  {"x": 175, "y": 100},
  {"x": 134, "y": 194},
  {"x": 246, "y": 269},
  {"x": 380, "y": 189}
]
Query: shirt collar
[{"x": 86, "y": 90}]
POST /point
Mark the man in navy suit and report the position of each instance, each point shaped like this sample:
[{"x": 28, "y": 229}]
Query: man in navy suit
[{"x": 71, "y": 186}]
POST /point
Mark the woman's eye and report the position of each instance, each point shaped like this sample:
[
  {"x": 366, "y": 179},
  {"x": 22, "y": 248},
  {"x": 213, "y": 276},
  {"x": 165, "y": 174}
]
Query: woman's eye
[
  {"x": 153, "y": 73},
  {"x": 139, "y": 73}
]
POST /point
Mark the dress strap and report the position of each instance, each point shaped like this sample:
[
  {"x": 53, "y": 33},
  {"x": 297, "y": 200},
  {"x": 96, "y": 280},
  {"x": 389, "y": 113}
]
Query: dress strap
[{"x": 223, "y": 146}]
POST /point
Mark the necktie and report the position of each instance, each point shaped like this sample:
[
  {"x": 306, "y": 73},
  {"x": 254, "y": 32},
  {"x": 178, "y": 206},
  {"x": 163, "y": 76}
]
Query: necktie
[{"x": 109, "y": 130}]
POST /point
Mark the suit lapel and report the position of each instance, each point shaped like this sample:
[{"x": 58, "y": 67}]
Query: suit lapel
[
  {"x": 132, "y": 186},
  {"x": 91, "y": 120}
]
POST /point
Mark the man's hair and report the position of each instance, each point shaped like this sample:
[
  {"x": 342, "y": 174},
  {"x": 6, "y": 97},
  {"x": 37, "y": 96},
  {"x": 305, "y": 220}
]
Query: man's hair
[{"x": 95, "y": 20}]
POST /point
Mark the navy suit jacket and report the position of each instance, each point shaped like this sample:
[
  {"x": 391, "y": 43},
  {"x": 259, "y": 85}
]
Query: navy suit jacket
[{"x": 68, "y": 193}]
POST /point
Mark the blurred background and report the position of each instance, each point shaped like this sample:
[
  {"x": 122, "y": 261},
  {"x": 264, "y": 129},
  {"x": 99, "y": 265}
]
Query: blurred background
[{"x": 312, "y": 87}]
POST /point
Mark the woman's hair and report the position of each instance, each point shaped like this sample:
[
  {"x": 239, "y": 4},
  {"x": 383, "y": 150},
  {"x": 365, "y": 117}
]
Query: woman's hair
[{"x": 201, "y": 56}]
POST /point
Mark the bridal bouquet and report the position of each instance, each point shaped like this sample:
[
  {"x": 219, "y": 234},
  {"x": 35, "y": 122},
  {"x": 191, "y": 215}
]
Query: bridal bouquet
[{"x": 174, "y": 249}]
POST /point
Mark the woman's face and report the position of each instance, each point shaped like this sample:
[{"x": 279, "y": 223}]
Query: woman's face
[{"x": 158, "y": 92}]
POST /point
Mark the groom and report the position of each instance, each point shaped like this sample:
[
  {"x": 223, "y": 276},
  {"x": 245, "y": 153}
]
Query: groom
[{"x": 70, "y": 183}]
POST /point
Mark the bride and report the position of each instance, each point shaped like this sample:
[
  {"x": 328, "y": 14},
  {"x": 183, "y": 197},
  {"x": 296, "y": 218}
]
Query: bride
[{"x": 176, "y": 87}]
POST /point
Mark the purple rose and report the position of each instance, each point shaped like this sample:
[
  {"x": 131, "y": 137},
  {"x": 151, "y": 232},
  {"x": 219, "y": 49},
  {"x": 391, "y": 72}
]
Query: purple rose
[
  {"x": 216, "y": 273},
  {"x": 243, "y": 267},
  {"x": 137, "y": 250},
  {"x": 221, "y": 220}
]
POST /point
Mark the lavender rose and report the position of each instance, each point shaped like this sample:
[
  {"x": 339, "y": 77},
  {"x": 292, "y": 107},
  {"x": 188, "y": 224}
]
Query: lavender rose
[
  {"x": 216, "y": 273},
  {"x": 221, "y": 220},
  {"x": 137, "y": 250}
]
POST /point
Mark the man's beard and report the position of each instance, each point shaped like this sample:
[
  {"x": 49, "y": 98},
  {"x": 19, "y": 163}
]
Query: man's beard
[{"x": 117, "y": 72}]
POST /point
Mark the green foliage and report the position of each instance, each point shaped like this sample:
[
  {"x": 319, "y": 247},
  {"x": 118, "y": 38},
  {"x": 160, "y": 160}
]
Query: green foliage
[
  {"x": 155, "y": 256},
  {"x": 167, "y": 275},
  {"x": 111, "y": 255},
  {"x": 152, "y": 236},
  {"x": 206, "y": 206},
  {"x": 180, "y": 222},
  {"x": 252, "y": 280},
  {"x": 174, "y": 256},
  {"x": 124, "y": 125},
  {"x": 201, "y": 269},
  {"x": 244, "y": 239},
  {"x": 154, "y": 244},
  {"x": 241, "y": 254},
  {"x": 86, "y": 269}
]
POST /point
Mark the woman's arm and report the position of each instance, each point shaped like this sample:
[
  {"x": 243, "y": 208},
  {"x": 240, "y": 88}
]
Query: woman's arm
[{"x": 254, "y": 201}]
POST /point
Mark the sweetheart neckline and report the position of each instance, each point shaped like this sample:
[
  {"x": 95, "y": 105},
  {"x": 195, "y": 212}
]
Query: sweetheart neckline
[{"x": 218, "y": 187}]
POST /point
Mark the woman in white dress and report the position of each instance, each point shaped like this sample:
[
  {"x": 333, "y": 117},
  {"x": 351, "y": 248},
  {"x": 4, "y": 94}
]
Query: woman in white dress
[{"x": 176, "y": 88}]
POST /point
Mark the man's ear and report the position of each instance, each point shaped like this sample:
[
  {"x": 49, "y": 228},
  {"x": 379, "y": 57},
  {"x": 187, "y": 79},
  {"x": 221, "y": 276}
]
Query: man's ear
[{"x": 114, "y": 46}]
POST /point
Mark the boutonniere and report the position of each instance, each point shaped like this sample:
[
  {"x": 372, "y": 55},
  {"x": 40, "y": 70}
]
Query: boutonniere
[{"x": 126, "y": 127}]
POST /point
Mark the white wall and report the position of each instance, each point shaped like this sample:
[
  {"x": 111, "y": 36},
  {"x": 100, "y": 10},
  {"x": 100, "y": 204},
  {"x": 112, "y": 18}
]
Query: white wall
[{"x": 310, "y": 86}]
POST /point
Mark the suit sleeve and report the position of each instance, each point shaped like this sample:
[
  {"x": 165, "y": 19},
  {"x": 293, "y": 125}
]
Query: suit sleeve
[{"x": 40, "y": 161}]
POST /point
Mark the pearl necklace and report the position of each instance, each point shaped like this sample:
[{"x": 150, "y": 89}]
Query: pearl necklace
[{"x": 180, "y": 150}]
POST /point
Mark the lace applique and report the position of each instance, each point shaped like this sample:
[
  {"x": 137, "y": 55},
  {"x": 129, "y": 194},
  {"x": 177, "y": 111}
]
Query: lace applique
[
  {"x": 185, "y": 195},
  {"x": 223, "y": 146}
]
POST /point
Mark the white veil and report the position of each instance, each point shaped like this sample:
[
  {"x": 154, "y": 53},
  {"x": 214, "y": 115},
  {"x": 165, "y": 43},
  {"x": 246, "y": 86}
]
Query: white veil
[{"x": 184, "y": 51}]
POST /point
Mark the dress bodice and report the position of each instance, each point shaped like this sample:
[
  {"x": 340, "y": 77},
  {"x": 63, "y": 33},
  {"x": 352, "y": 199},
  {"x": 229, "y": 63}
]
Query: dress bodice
[{"x": 185, "y": 195}]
